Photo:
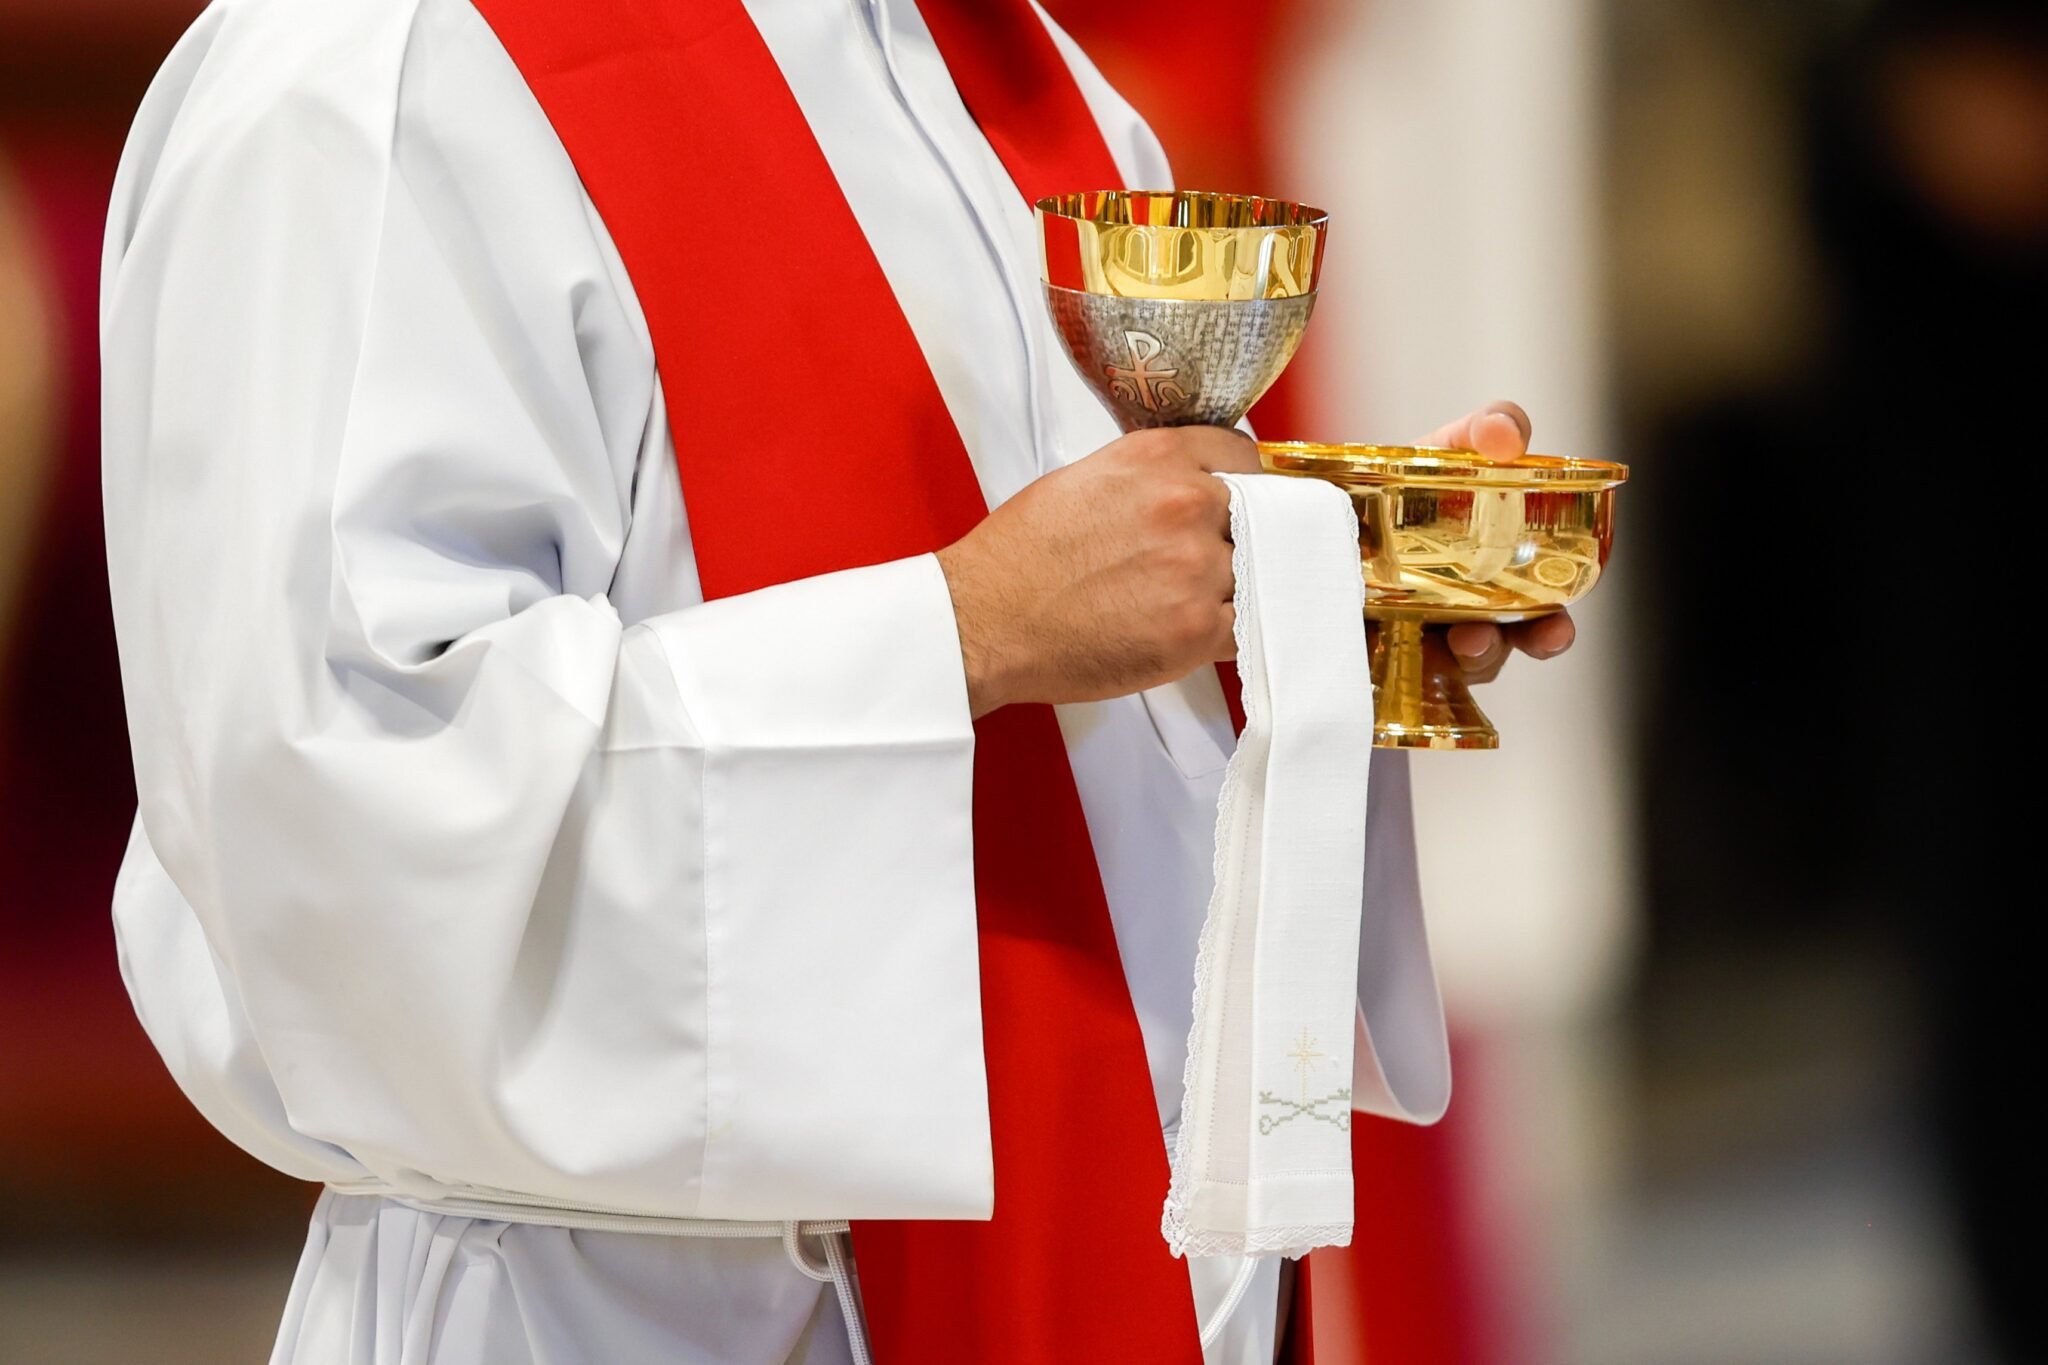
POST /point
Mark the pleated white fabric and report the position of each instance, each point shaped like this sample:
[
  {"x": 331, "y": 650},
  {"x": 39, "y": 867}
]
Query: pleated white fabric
[{"x": 380, "y": 1283}]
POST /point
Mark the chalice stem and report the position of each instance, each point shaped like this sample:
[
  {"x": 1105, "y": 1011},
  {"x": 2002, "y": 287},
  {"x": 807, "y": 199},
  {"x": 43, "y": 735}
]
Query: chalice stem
[{"x": 1420, "y": 700}]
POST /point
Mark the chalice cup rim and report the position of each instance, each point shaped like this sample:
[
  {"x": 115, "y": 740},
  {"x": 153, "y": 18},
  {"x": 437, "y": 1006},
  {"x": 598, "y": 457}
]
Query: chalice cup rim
[
  {"x": 1193, "y": 246},
  {"x": 1417, "y": 466}
]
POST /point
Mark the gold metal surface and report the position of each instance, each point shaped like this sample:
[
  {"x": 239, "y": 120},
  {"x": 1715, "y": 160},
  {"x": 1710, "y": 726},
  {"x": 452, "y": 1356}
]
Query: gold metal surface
[
  {"x": 1445, "y": 536},
  {"x": 1185, "y": 244},
  {"x": 1182, "y": 307},
  {"x": 1435, "y": 466},
  {"x": 1419, "y": 696}
]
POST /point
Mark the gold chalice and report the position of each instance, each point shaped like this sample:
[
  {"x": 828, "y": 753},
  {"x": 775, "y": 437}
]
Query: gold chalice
[
  {"x": 1182, "y": 307},
  {"x": 1179, "y": 309}
]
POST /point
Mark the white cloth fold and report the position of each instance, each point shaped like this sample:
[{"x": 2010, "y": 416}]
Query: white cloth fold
[{"x": 1262, "y": 1160}]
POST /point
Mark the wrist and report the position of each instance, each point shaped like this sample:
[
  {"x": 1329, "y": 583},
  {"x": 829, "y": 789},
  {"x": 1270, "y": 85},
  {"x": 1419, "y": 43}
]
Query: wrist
[{"x": 984, "y": 659}]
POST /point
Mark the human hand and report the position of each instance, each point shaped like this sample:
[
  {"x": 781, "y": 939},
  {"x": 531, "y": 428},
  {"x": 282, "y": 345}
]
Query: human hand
[
  {"x": 1499, "y": 432},
  {"x": 1104, "y": 578}
]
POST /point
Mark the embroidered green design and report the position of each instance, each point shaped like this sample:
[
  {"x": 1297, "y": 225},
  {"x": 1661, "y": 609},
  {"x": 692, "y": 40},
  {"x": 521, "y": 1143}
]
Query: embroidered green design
[{"x": 1311, "y": 1109}]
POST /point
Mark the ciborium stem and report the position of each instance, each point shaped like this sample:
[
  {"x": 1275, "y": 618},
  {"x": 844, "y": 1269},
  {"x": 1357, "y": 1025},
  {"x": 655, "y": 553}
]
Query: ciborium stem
[{"x": 1420, "y": 700}]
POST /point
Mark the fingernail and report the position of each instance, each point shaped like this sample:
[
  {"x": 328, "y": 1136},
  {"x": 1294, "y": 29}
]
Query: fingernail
[{"x": 1562, "y": 636}]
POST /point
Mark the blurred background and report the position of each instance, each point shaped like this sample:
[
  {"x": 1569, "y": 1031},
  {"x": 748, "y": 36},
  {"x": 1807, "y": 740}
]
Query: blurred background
[{"x": 1727, "y": 929}]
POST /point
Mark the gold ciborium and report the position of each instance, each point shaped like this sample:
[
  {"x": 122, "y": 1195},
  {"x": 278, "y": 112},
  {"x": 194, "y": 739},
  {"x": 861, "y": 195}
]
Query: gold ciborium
[
  {"x": 1447, "y": 537},
  {"x": 1183, "y": 307}
]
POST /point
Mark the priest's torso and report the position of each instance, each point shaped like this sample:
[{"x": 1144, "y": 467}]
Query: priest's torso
[{"x": 484, "y": 341}]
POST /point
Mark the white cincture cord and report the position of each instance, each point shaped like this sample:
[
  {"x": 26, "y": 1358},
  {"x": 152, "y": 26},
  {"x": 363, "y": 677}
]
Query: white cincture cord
[
  {"x": 839, "y": 1270},
  {"x": 849, "y": 1301},
  {"x": 1213, "y": 1328}
]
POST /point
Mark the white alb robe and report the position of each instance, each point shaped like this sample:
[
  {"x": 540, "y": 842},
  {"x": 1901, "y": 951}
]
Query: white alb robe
[{"x": 459, "y": 861}]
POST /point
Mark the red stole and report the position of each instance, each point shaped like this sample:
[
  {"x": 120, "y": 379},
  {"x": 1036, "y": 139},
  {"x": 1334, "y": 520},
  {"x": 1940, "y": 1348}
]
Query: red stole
[{"x": 686, "y": 138}]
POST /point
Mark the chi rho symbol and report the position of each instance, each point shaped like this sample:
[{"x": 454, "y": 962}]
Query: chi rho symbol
[{"x": 1147, "y": 378}]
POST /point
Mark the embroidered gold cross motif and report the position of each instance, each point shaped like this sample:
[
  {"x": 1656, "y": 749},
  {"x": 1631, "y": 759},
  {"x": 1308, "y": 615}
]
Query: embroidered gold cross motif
[
  {"x": 1139, "y": 382},
  {"x": 1305, "y": 1055}
]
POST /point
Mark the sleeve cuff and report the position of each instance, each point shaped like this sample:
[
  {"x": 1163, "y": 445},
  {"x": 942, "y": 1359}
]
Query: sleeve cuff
[{"x": 845, "y": 1076}]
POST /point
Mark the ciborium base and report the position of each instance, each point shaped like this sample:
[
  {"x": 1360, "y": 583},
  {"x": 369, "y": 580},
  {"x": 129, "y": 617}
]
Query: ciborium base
[{"x": 1419, "y": 696}]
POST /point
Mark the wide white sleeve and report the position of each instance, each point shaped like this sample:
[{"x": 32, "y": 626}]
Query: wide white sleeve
[{"x": 505, "y": 894}]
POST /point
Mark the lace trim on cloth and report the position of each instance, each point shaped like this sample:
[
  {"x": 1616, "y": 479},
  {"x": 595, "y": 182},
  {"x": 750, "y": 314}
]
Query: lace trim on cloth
[{"x": 1180, "y": 1237}]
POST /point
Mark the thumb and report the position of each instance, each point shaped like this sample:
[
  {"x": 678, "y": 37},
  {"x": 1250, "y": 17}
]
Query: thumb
[{"x": 1499, "y": 431}]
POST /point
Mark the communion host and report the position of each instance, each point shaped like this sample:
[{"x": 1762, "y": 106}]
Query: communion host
[{"x": 667, "y": 720}]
